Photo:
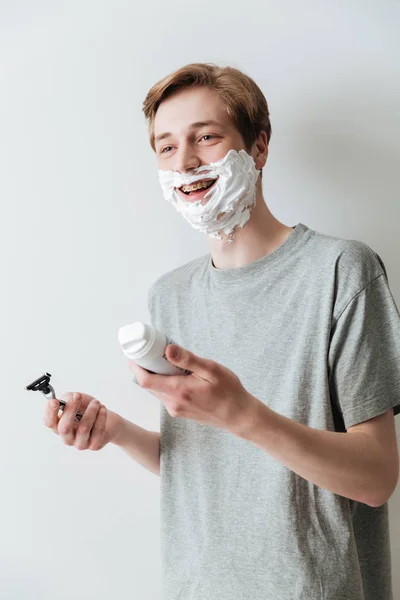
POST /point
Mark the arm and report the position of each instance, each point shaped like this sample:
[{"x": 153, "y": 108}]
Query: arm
[
  {"x": 361, "y": 464},
  {"x": 141, "y": 445}
]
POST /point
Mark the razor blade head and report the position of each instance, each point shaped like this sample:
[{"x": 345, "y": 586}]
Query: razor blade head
[{"x": 41, "y": 384}]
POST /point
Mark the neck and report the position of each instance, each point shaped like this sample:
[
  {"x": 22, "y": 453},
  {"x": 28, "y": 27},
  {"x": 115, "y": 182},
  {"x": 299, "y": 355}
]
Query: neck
[{"x": 261, "y": 235}]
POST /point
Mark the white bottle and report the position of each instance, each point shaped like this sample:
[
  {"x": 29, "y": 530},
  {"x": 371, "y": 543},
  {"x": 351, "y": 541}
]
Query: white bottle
[{"x": 146, "y": 346}]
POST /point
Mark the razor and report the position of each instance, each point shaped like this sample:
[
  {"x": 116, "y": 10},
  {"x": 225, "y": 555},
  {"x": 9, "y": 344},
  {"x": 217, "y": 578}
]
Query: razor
[{"x": 42, "y": 384}]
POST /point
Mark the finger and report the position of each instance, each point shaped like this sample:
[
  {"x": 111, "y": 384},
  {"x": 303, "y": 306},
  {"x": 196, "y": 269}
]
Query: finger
[
  {"x": 169, "y": 385},
  {"x": 85, "y": 399},
  {"x": 203, "y": 367},
  {"x": 86, "y": 423},
  {"x": 144, "y": 378},
  {"x": 66, "y": 428},
  {"x": 135, "y": 368},
  {"x": 153, "y": 382},
  {"x": 67, "y": 396},
  {"x": 98, "y": 430},
  {"x": 50, "y": 418}
]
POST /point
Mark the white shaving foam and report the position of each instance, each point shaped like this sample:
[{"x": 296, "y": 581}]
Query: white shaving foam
[{"x": 230, "y": 199}]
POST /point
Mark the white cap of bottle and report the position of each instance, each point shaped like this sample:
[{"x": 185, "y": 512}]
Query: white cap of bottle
[{"x": 145, "y": 345}]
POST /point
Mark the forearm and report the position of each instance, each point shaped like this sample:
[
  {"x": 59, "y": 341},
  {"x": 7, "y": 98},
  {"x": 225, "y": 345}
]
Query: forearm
[
  {"x": 141, "y": 445},
  {"x": 348, "y": 464}
]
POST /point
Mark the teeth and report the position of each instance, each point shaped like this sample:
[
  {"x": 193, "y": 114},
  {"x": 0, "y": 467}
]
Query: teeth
[{"x": 196, "y": 186}]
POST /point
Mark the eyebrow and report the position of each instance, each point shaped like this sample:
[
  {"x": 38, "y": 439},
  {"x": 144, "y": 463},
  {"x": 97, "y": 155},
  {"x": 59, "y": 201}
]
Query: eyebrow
[{"x": 196, "y": 125}]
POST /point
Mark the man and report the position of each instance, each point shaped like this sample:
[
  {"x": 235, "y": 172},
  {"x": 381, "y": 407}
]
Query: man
[{"x": 278, "y": 453}]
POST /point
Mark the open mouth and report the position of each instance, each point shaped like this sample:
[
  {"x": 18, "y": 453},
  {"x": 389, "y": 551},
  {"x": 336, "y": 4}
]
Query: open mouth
[{"x": 196, "y": 190}]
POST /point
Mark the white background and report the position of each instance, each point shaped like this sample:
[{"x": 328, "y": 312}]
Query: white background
[{"x": 85, "y": 231}]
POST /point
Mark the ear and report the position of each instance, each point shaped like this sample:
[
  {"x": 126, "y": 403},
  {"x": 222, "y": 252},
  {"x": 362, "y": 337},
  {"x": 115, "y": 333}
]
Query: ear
[
  {"x": 261, "y": 145},
  {"x": 260, "y": 150}
]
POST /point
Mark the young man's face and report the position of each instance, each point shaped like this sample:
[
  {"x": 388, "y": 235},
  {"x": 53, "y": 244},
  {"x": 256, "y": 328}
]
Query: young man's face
[{"x": 192, "y": 129}]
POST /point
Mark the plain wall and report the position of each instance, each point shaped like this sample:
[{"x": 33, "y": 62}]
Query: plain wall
[{"x": 85, "y": 231}]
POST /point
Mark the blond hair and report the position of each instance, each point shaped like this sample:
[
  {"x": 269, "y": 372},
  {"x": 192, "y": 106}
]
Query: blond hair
[{"x": 243, "y": 100}]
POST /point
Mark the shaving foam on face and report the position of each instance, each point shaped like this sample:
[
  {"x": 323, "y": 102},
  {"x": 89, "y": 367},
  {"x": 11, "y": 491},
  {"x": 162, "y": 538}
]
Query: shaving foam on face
[{"x": 230, "y": 199}]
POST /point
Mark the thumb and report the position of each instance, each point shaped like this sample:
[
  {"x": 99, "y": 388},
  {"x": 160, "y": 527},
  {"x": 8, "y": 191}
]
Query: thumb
[{"x": 185, "y": 359}]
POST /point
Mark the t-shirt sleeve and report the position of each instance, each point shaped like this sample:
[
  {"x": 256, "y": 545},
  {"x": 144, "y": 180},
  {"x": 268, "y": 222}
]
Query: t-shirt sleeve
[
  {"x": 150, "y": 303},
  {"x": 364, "y": 355},
  {"x": 153, "y": 304}
]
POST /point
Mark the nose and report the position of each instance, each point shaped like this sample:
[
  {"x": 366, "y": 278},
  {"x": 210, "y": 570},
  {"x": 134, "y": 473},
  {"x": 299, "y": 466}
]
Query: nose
[{"x": 186, "y": 159}]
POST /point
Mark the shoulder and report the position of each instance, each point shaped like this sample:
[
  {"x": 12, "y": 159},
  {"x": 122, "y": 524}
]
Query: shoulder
[
  {"x": 355, "y": 263},
  {"x": 343, "y": 267}
]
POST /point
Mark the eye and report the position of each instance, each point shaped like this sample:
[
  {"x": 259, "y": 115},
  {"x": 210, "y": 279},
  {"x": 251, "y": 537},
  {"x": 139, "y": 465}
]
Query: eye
[
  {"x": 207, "y": 135},
  {"x": 165, "y": 149}
]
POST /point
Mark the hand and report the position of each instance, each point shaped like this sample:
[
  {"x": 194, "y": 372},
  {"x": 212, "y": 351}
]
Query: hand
[
  {"x": 212, "y": 394},
  {"x": 96, "y": 428}
]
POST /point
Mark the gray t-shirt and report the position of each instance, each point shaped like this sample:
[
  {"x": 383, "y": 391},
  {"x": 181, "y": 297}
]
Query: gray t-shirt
[{"x": 313, "y": 331}]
